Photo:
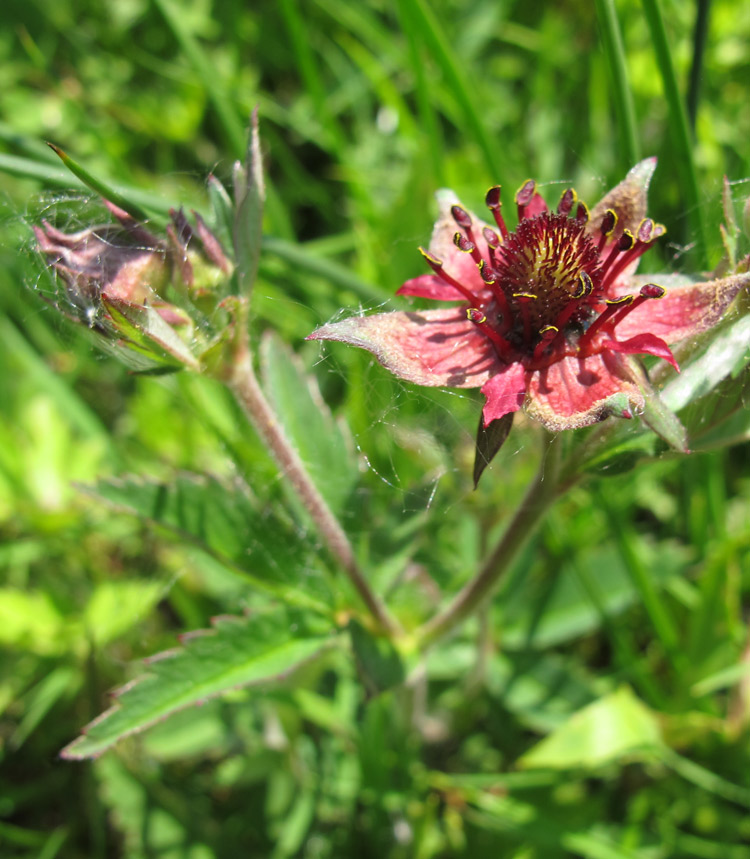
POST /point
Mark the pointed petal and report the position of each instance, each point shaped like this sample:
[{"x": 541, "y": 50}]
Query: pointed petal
[
  {"x": 433, "y": 347},
  {"x": 577, "y": 392},
  {"x": 504, "y": 392},
  {"x": 644, "y": 344},
  {"x": 685, "y": 311},
  {"x": 628, "y": 199},
  {"x": 457, "y": 263},
  {"x": 536, "y": 206},
  {"x": 430, "y": 286}
]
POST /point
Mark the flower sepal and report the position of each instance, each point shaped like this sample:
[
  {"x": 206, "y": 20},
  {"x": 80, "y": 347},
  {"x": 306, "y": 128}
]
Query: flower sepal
[{"x": 143, "y": 329}]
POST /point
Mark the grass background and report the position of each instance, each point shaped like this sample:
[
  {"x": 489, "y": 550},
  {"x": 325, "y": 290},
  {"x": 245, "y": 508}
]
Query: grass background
[{"x": 638, "y": 579}]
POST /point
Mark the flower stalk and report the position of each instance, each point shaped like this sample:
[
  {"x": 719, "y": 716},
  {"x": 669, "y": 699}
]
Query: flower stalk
[
  {"x": 544, "y": 490},
  {"x": 243, "y": 383}
]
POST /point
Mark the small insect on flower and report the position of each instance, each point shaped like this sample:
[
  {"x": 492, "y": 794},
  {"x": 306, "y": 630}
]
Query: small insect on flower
[{"x": 550, "y": 312}]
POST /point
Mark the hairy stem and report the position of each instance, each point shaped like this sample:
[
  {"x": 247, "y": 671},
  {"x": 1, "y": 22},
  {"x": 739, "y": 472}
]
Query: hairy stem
[
  {"x": 542, "y": 492},
  {"x": 244, "y": 385}
]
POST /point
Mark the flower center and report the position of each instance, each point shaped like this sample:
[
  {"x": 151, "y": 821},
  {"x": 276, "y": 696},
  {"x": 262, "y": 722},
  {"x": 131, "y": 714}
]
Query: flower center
[
  {"x": 547, "y": 282},
  {"x": 549, "y": 271}
]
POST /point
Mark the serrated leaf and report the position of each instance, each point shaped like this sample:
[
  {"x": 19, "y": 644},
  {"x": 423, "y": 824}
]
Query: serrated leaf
[
  {"x": 223, "y": 521},
  {"x": 489, "y": 441},
  {"x": 236, "y": 652},
  {"x": 250, "y": 194},
  {"x": 307, "y": 422},
  {"x": 612, "y": 729},
  {"x": 379, "y": 663}
]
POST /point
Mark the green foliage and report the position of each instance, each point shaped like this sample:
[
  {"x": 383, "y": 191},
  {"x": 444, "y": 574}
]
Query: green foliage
[{"x": 600, "y": 705}]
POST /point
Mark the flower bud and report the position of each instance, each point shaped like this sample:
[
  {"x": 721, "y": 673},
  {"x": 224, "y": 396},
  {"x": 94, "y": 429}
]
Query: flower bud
[{"x": 141, "y": 293}]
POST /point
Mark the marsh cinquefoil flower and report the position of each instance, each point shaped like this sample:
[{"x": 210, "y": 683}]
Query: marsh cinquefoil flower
[{"x": 550, "y": 312}]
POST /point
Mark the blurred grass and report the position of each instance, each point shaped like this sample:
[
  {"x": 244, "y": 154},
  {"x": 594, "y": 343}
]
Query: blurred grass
[{"x": 365, "y": 110}]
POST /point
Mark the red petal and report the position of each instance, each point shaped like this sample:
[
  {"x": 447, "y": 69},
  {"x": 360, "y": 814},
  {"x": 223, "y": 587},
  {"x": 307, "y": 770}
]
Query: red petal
[
  {"x": 577, "y": 392},
  {"x": 505, "y": 392},
  {"x": 433, "y": 347},
  {"x": 641, "y": 344},
  {"x": 536, "y": 206},
  {"x": 684, "y": 311},
  {"x": 430, "y": 286}
]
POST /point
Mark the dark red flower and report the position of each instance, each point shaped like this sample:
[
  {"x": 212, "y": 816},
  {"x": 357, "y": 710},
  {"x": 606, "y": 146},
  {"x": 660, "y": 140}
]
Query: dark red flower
[{"x": 550, "y": 312}]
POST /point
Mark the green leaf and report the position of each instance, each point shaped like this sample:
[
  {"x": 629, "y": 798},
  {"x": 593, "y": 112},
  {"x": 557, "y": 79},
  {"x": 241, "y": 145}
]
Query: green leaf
[
  {"x": 223, "y": 521},
  {"x": 250, "y": 194},
  {"x": 261, "y": 648},
  {"x": 379, "y": 663},
  {"x": 612, "y": 729},
  {"x": 308, "y": 423}
]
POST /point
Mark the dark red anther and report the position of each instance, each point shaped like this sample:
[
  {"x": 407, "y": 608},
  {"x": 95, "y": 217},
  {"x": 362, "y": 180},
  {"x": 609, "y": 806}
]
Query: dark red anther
[
  {"x": 567, "y": 201},
  {"x": 524, "y": 196},
  {"x": 492, "y": 198},
  {"x": 626, "y": 241},
  {"x": 525, "y": 193},
  {"x": 609, "y": 222},
  {"x": 585, "y": 286},
  {"x": 461, "y": 217},
  {"x": 645, "y": 231},
  {"x": 653, "y": 290},
  {"x": 462, "y": 243},
  {"x": 491, "y": 237},
  {"x": 582, "y": 213},
  {"x": 487, "y": 273}
]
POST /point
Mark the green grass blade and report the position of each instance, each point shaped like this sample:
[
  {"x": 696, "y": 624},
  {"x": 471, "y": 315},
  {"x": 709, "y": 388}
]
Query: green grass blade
[
  {"x": 428, "y": 120},
  {"x": 656, "y": 608},
  {"x": 231, "y": 126},
  {"x": 613, "y": 48},
  {"x": 421, "y": 19},
  {"x": 99, "y": 187},
  {"x": 678, "y": 124},
  {"x": 308, "y": 70}
]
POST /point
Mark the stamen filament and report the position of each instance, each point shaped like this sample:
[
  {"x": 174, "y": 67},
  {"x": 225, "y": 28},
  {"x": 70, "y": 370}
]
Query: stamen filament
[{"x": 494, "y": 205}]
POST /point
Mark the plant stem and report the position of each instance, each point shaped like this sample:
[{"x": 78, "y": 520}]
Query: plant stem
[
  {"x": 542, "y": 492},
  {"x": 245, "y": 386}
]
